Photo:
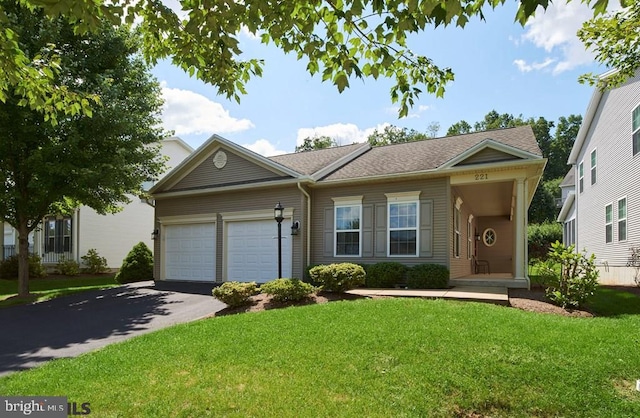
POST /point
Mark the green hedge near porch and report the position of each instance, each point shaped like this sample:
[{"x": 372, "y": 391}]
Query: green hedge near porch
[{"x": 428, "y": 276}]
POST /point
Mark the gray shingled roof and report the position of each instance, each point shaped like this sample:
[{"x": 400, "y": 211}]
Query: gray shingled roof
[
  {"x": 430, "y": 154},
  {"x": 569, "y": 179},
  {"x": 308, "y": 162}
]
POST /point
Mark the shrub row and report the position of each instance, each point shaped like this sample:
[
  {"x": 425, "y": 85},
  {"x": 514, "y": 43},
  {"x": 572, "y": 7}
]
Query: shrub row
[
  {"x": 9, "y": 267},
  {"x": 422, "y": 276},
  {"x": 281, "y": 290},
  {"x": 338, "y": 277}
]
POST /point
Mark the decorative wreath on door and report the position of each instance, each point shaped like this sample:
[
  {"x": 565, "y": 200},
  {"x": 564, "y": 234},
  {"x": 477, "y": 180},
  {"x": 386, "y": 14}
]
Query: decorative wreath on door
[{"x": 489, "y": 237}]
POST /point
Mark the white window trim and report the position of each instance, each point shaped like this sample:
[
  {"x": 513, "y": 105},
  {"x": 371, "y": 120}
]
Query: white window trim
[
  {"x": 335, "y": 229},
  {"x": 456, "y": 230},
  {"x": 581, "y": 177},
  {"x": 608, "y": 223},
  {"x": 405, "y": 197},
  {"x": 594, "y": 167},
  {"x": 626, "y": 226}
]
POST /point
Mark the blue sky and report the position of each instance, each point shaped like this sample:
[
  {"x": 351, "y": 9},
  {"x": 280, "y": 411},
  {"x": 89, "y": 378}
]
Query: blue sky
[{"x": 497, "y": 63}]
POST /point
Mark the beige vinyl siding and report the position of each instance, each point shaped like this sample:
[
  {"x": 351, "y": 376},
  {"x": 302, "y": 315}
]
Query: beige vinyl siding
[
  {"x": 237, "y": 170},
  {"x": 618, "y": 176},
  {"x": 500, "y": 255},
  {"x": 433, "y": 212},
  {"x": 487, "y": 155},
  {"x": 257, "y": 199},
  {"x": 460, "y": 266}
]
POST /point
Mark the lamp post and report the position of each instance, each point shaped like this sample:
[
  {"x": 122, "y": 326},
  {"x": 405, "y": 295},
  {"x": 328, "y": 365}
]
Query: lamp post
[{"x": 278, "y": 215}]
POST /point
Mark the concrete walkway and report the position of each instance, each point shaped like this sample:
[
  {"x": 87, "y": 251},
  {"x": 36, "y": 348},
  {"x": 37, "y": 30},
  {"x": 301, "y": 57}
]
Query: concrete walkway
[
  {"x": 71, "y": 325},
  {"x": 497, "y": 295}
]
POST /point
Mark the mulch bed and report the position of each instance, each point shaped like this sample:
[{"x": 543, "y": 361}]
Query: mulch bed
[{"x": 529, "y": 300}]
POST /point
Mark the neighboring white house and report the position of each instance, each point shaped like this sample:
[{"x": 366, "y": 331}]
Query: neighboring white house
[
  {"x": 112, "y": 236},
  {"x": 604, "y": 206}
]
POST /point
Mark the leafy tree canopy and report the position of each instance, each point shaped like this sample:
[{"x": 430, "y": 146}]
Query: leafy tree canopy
[
  {"x": 97, "y": 160},
  {"x": 313, "y": 143},
  {"x": 339, "y": 39},
  {"x": 615, "y": 37}
]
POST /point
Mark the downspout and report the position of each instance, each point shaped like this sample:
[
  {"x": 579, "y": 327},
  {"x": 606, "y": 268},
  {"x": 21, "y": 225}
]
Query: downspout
[{"x": 308, "y": 222}]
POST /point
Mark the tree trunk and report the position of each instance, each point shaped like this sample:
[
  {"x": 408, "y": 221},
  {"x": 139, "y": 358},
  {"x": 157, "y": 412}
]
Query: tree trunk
[{"x": 23, "y": 260}]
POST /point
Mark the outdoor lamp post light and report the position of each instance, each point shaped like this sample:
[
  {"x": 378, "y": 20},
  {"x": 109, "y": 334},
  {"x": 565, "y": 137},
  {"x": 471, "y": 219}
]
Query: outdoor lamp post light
[{"x": 278, "y": 215}]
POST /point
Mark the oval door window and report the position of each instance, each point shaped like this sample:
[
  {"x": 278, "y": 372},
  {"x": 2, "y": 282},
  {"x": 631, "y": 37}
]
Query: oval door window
[{"x": 489, "y": 237}]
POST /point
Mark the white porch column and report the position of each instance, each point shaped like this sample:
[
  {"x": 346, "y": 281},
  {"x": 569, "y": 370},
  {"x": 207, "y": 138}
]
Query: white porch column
[{"x": 520, "y": 272}]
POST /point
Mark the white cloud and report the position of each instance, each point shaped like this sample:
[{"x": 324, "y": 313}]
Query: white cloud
[
  {"x": 264, "y": 147},
  {"x": 187, "y": 112},
  {"x": 555, "y": 30},
  {"x": 245, "y": 31},
  {"x": 525, "y": 68},
  {"x": 343, "y": 133}
]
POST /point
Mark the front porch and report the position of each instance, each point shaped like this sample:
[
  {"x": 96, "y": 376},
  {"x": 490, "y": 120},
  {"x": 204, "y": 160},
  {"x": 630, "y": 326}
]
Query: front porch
[{"x": 505, "y": 280}]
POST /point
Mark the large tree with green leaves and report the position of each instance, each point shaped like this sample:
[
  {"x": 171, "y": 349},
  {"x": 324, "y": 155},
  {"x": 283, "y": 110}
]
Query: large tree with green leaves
[
  {"x": 97, "y": 161},
  {"x": 339, "y": 39}
]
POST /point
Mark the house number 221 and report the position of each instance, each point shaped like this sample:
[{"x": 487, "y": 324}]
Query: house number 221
[{"x": 482, "y": 176}]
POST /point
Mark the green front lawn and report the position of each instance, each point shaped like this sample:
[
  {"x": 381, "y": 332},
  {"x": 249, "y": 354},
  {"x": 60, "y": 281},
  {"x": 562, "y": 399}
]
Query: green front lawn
[
  {"x": 373, "y": 358},
  {"x": 49, "y": 288}
]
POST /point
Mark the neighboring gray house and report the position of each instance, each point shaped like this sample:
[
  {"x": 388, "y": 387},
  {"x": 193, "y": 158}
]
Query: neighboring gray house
[
  {"x": 567, "y": 214},
  {"x": 606, "y": 164},
  {"x": 449, "y": 201}
]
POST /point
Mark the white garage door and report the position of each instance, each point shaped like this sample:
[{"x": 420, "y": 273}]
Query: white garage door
[
  {"x": 190, "y": 252},
  {"x": 252, "y": 250}
]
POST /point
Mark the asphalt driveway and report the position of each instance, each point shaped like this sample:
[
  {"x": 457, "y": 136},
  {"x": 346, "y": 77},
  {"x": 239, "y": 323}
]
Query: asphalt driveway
[{"x": 69, "y": 326}]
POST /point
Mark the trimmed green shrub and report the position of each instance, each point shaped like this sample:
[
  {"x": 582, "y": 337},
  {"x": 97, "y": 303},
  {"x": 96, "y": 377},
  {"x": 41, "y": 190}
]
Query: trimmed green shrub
[
  {"x": 93, "y": 263},
  {"x": 541, "y": 236},
  {"x": 338, "y": 277},
  {"x": 385, "y": 274},
  {"x": 67, "y": 267},
  {"x": 287, "y": 290},
  {"x": 235, "y": 293},
  {"x": 577, "y": 280},
  {"x": 9, "y": 267},
  {"x": 428, "y": 276},
  {"x": 137, "y": 266}
]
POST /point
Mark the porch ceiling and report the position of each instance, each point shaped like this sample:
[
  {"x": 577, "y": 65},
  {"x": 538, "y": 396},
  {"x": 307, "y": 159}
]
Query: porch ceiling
[{"x": 488, "y": 199}]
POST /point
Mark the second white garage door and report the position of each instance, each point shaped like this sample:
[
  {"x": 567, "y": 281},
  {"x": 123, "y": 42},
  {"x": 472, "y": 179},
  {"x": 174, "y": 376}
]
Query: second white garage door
[{"x": 252, "y": 250}]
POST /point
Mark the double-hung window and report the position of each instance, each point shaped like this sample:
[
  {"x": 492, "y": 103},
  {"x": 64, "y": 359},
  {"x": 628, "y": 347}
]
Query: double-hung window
[
  {"x": 608, "y": 223},
  {"x": 622, "y": 219},
  {"x": 348, "y": 233},
  {"x": 635, "y": 126},
  {"x": 594, "y": 163},
  {"x": 403, "y": 210},
  {"x": 581, "y": 176},
  {"x": 57, "y": 235}
]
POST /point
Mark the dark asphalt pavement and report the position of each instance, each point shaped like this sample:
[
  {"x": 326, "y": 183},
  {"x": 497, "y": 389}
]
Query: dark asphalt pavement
[{"x": 71, "y": 325}]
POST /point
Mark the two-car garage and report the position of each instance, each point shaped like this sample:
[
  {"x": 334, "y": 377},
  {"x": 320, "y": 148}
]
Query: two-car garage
[{"x": 248, "y": 250}]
